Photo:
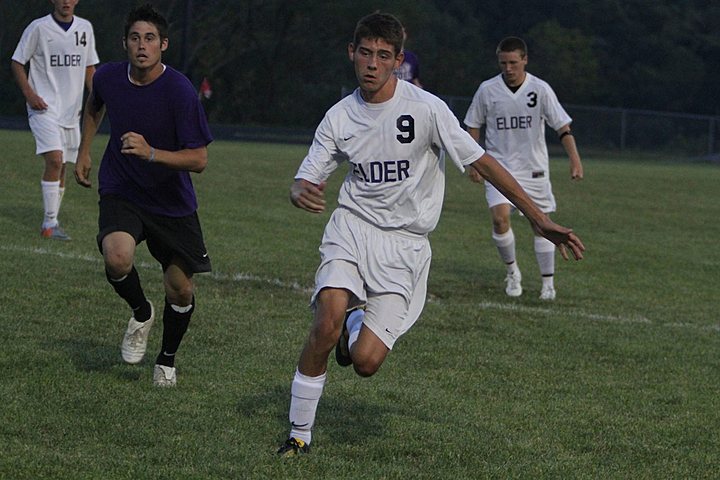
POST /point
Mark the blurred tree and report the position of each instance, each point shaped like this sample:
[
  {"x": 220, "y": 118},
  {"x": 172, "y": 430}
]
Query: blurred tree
[{"x": 284, "y": 63}]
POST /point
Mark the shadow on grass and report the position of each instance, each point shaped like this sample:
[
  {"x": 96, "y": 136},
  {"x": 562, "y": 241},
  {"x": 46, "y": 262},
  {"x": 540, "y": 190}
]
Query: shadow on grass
[
  {"x": 343, "y": 419},
  {"x": 93, "y": 356}
]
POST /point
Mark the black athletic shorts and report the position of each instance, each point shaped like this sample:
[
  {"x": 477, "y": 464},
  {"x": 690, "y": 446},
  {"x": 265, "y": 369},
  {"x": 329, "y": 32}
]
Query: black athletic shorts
[{"x": 167, "y": 237}]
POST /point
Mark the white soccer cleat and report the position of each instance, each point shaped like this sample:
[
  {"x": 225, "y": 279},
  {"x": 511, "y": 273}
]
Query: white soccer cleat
[
  {"x": 514, "y": 284},
  {"x": 164, "y": 376},
  {"x": 135, "y": 340},
  {"x": 547, "y": 292}
]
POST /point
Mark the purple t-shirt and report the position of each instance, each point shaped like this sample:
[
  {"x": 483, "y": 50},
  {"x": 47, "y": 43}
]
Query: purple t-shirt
[
  {"x": 168, "y": 114},
  {"x": 410, "y": 68}
]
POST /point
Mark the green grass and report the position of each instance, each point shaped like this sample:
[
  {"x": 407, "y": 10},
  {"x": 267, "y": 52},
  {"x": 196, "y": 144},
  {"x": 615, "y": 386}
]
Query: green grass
[{"x": 618, "y": 378}]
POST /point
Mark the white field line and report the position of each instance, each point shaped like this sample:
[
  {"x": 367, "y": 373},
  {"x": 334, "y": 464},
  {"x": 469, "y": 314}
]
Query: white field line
[{"x": 276, "y": 282}]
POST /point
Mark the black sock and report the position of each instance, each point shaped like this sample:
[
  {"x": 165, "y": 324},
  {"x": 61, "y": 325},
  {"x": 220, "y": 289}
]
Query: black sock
[
  {"x": 175, "y": 324},
  {"x": 130, "y": 290}
]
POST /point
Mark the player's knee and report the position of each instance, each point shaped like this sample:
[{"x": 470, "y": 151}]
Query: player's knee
[
  {"x": 324, "y": 334},
  {"x": 500, "y": 225},
  {"x": 53, "y": 163},
  {"x": 366, "y": 367},
  {"x": 179, "y": 293},
  {"x": 117, "y": 265}
]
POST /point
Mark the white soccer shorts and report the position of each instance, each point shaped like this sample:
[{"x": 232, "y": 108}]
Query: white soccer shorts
[
  {"x": 538, "y": 189},
  {"x": 386, "y": 271},
  {"x": 50, "y": 136}
]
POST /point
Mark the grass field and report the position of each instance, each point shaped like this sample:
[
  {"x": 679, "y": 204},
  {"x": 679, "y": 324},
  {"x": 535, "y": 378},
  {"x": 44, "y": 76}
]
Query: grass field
[{"x": 618, "y": 378}]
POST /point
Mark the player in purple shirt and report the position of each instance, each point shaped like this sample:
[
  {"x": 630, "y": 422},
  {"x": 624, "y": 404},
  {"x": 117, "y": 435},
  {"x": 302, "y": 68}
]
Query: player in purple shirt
[
  {"x": 409, "y": 69},
  {"x": 158, "y": 135}
]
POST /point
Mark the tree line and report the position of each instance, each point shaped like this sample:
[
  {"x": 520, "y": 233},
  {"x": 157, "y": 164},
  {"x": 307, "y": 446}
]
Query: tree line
[{"x": 283, "y": 63}]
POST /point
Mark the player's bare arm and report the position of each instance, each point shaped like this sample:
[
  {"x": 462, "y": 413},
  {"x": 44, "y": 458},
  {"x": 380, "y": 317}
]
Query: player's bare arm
[
  {"x": 476, "y": 134},
  {"x": 568, "y": 142},
  {"x": 308, "y": 196},
  {"x": 191, "y": 159},
  {"x": 563, "y": 237},
  {"x": 35, "y": 101},
  {"x": 92, "y": 117},
  {"x": 89, "y": 72}
]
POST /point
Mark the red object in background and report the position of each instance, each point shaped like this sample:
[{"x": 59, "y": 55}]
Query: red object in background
[{"x": 205, "y": 88}]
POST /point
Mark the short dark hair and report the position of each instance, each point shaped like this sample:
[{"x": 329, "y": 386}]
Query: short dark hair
[
  {"x": 147, "y": 13},
  {"x": 510, "y": 44},
  {"x": 380, "y": 25}
]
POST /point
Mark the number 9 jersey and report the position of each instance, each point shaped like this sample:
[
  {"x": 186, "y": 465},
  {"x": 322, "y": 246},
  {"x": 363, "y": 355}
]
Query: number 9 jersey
[{"x": 396, "y": 152}]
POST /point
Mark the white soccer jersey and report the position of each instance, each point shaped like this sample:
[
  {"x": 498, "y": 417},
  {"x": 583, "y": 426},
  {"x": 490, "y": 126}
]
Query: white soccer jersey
[
  {"x": 515, "y": 122},
  {"x": 396, "y": 176},
  {"x": 58, "y": 61}
]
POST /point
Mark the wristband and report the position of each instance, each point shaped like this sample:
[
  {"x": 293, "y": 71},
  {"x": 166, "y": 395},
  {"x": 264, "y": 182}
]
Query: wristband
[{"x": 152, "y": 154}]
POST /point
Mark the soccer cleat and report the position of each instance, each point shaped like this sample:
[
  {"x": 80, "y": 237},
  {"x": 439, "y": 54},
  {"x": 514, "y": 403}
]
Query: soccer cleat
[
  {"x": 54, "y": 233},
  {"x": 293, "y": 447},
  {"x": 342, "y": 349},
  {"x": 514, "y": 286},
  {"x": 164, "y": 376},
  {"x": 547, "y": 292},
  {"x": 135, "y": 340}
]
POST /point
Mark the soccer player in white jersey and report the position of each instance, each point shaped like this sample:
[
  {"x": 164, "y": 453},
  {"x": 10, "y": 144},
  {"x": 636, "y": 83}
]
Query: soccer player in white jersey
[
  {"x": 511, "y": 110},
  {"x": 375, "y": 251},
  {"x": 60, "y": 48}
]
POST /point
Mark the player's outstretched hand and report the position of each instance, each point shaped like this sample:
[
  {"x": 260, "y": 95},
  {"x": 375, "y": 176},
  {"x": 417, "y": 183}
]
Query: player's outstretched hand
[
  {"x": 82, "y": 171},
  {"x": 563, "y": 237},
  {"x": 475, "y": 176},
  {"x": 308, "y": 196}
]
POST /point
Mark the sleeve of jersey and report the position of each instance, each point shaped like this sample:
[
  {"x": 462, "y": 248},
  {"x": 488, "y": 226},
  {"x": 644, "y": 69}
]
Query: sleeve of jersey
[
  {"x": 322, "y": 158},
  {"x": 475, "y": 116},
  {"x": 97, "y": 99},
  {"x": 457, "y": 143},
  {"x": 92, "y": 57},
  {"x": 193, "y": 129},
  {"x": 26, "y": 46},
  {"x": 556, "y": 115}
]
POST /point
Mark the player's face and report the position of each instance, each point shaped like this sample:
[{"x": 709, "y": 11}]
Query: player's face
[
  {"x": 512, "y": 66},
  {"x": 64, "y": 9},
  {"x": 144, "y": 45},
  {"x": 375, "y": 61}
]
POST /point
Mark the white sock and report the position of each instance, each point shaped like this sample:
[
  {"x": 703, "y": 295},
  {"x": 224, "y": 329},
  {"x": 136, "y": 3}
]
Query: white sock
[
  {"x": 354, "y": 322},
  {"x": 61, "y": 193},
  {"x": 305, "y": 395},
  {"x": 505, "y": 243},
  {"x": 545, "y": 255},
  {"x": 51, "y": 202}
]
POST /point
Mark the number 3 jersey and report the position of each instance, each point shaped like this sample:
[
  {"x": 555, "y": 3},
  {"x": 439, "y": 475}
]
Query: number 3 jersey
[
  {"x": 515, "y": 122},
  {"x": 396, "y": 152},
  {"x": 58, "y": 61}
]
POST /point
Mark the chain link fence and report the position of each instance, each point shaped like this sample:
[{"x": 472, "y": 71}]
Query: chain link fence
[{"x": 627, "y": 130}]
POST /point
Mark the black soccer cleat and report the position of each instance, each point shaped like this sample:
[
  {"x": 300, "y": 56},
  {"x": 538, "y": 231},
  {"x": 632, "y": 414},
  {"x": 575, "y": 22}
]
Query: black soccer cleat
[
  {"x": 293, "y": 447},
  {"x": 342, "y": 350}
]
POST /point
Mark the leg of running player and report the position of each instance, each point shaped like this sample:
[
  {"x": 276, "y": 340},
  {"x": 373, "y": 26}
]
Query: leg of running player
[
  {"x": 118, "y": 250},
  {"x": 51, "y": 184},
  {"x": 179, "y": 307},
  {"x": 504, "y": 240},
  {"x": 368, "y": 352},
  {"x": 330, "y": 307}
]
